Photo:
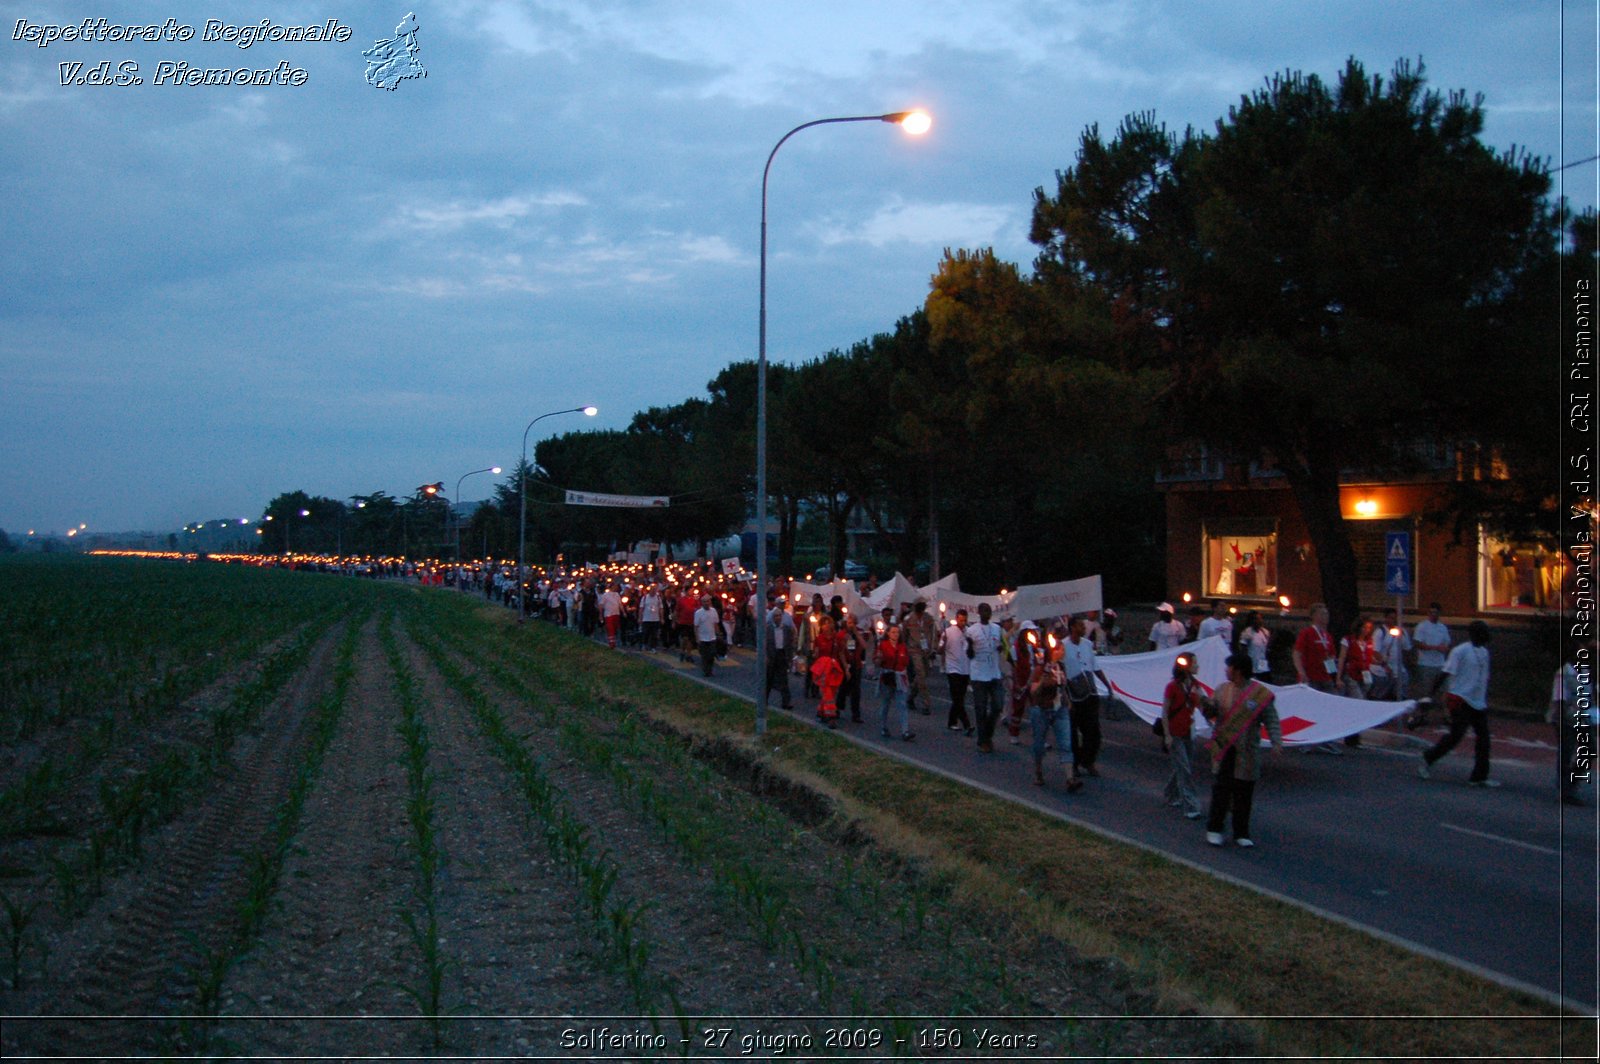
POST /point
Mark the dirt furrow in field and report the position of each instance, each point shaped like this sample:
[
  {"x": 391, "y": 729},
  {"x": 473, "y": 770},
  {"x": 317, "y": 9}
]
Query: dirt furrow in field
[
  {"x": 334, "y": 944},
  {"x": 136, "y": 955},
  {"x": 516, "y": 935},
  {"x": 698, "y": 945}
]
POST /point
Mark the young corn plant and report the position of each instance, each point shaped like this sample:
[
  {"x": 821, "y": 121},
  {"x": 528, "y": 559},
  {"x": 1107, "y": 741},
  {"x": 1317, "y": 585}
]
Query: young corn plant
[
  {"x": 16, "y": 933},
  {"x": 422, "y": 924}
]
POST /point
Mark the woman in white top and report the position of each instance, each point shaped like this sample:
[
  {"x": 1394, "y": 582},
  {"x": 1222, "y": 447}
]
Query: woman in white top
[{"x": 1255, "y": 640}]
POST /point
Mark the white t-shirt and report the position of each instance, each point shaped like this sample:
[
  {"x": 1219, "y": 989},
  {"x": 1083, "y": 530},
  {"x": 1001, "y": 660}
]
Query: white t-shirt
[
  {"x": 1222, "y": 626},
  {"x": 650, "y": 607},
  {"x": 1167, "y": 634},
  {"x": 1468, "y": 669},
  {"x": 1433, "y": 632},
  {"x": 1254, "y": 641},
  {"x": 985, "y": 661},
  {"x": 610, "y": 604},
  {"x": 706, "y": 619},
  {"x": 1391, "y": 649},
  {"x": 1078, "y": 658},
  {"x": 954, "y": 641}
]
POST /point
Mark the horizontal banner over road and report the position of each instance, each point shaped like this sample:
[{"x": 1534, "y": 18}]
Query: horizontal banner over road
[{"x": 591, "y": 498}]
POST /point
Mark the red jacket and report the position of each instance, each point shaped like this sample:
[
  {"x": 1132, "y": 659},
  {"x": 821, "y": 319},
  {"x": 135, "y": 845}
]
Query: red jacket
[{"x": 893, "y": 656}]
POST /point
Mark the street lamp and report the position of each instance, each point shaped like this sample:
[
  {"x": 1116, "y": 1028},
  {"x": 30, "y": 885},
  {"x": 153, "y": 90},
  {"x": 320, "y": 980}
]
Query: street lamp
[
  {"x": 454, "y": 521},
  {"x": 522, "y": 477},
  {"x": 914, "y": 122}
]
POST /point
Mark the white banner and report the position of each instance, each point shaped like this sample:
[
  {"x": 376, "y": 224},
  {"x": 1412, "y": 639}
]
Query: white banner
[
  {"x": 592, "y": 498},
  {"x": 800, "y": 596},
  {"x": 1307, "y": 717},
  {"x": 1035, "y": 602}
]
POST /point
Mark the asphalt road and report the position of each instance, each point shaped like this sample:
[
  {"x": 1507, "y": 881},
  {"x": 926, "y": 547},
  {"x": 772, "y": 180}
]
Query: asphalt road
[{"x": 1502, "y": 881}]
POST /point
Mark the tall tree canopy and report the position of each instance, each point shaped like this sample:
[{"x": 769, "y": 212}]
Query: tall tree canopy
[{"x": 1335, "y": 273}]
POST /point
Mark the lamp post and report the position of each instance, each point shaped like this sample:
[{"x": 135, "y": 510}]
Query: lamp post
[
  {"x": 914, "y": 122},
  {"x": 455, "y": 521},
  {"x": 522, "y": 479}
]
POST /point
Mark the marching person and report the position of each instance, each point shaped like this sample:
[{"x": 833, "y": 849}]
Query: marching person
[
  {"x": 1178, "y": 706},
  {"x": 922, "y": 635},
  {"x": 957, "y": 671},
  {"x": 852, "y": 647},
  {"x": 1466, "y": 669},
  {"x": 984, "y": 642},
  {"x": 1219, "y": 623},
  {"x": 893, "y": 683},
  {"x": 780, "y": 647},
  {"x": 1238, "y": 710},
  {"x": 1256, "y": 640},
  {"x": 707, "y": 619},
  {"x": 1166, "y": 632},
  {"x": 1432, "y": 640},
  {"x": 1390, "y": 645},
  {"x": 1080, "y": 670},
  {"x": 1316, "y": 663},
  {"x": 1047, "y": 717},
  {"x": 610, "y": 606},
  {"x": 650, "y": 617}
]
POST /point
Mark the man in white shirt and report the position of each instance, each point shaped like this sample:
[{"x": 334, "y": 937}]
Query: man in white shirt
[
  {"x": 650, "y": 617},
  {"x": 1166, "y": 632},
  {"x": 1389, "y": 646},
  {"x": 1467, "y": 670},
  {"x": 611, "y": 613},
  {"x": 1078, "y": 664},
  {"x": 957, "y": 671},
  {"x": 1219, "y": 623},
  {"x": 984, "y": 641},
  {"x": 1432, "y": 640},
  {"x": 707, "y": 619}
]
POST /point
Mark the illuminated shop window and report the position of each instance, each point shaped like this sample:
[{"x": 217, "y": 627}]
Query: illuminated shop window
[
  {"x": 1241, "y": 558},
  {"x": 1524, "y": 573}
]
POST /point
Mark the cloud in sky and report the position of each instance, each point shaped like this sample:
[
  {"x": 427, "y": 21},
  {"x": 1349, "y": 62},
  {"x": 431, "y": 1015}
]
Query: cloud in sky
[{"x": 211, "y": 295}]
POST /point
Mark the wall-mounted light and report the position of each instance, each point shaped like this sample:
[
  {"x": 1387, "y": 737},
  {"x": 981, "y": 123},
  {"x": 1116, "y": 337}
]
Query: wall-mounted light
[{"x": 1366, "y": 507}]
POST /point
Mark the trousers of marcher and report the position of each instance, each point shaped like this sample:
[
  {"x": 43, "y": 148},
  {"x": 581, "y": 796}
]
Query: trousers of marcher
[
  {"x": 778, "y": 674},
  {"x": 892, "y": 692},
  {"x": 708, "y": 656},
  {"x": 986, "y": 696},
  {"x": 1462, "y": 717},
  {"x": 850, "y": 693},
  {"x": 1180, "y": 782},
  {"x": 1229, "y": 794},
  {"x": 1086, "y": 731},
  {"x": 1048, "y": 721},
  {"x": 958, "y": 700}
]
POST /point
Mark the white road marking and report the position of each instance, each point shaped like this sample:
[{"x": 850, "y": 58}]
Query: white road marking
[{"x": 1501, "y": 838}]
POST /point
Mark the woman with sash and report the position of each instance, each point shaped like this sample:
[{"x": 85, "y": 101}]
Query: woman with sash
[{"x": 1238, "y": 710}]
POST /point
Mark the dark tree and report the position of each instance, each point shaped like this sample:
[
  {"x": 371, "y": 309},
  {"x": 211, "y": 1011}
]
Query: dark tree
[{"x": 1337, "y": 273}]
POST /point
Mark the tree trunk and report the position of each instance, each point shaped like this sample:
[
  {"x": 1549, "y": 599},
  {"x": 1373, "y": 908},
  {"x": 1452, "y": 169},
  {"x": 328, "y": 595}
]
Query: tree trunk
[
  {"x": 1316, "y": 490},
  {"x": 838, "y": 521}
]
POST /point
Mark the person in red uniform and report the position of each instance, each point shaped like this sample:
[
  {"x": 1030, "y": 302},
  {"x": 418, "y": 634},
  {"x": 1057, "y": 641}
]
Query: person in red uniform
[
  {"x": 825, "y": 665},
  {"x": 1178, "y": 707},
  {"x": 893, "y": 682},
  {"x": 1315, "y": 663}
]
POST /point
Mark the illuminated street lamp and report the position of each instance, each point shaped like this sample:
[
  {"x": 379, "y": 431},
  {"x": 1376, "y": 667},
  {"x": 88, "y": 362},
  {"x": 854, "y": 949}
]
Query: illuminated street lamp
[
  {"x": 914, "y": 122},
  {"x": 454, "y": 521},
  {"x": 522, "y": 478}
]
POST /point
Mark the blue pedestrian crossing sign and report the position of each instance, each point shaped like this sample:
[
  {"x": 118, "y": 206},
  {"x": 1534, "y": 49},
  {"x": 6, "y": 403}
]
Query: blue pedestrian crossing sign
[{"x": 1397, "y": 570}]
